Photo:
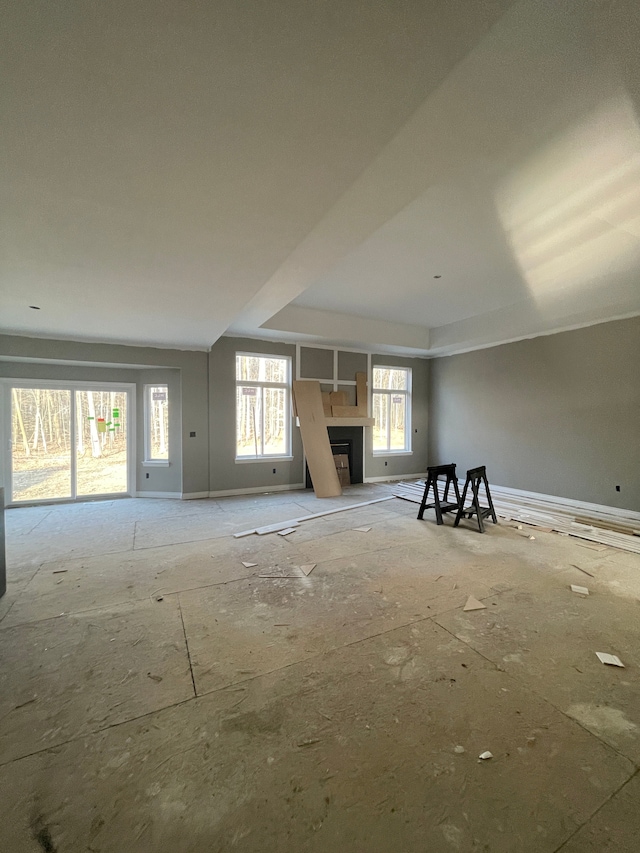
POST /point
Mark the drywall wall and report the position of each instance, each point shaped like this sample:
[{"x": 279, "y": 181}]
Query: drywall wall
[
  {"x": 202, "y": 401},
  {"x": 415, "y": 463},
  {"x": 225, "y": 473},
  {"x": 184, "y": 371},
  {"x": 558, "y": 415}
]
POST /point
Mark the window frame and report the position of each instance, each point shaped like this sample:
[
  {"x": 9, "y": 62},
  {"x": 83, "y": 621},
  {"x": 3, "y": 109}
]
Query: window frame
[
  {"x": 285, "y": 386},
  {"x": 392, "y": 392},
  {"x": 150, "y": 461}
]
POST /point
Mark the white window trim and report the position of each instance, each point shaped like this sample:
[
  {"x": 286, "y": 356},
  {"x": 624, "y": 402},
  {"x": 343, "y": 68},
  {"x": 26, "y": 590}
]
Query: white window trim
[
  {"x": 149, "y": 461},
  {"x": 408, "y": 398},
  {"x": 286, "y": 386}
]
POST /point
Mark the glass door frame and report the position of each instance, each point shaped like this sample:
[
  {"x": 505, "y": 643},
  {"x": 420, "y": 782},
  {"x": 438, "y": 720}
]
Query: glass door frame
[{"x": 6, "y": 444}]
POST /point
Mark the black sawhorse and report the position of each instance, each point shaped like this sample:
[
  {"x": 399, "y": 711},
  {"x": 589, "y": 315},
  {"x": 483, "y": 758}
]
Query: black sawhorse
[
  {"x": 435, "y": 471},
  {"x": 475, "y": 478}
]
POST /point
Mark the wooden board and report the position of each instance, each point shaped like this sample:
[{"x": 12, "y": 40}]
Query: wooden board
[
  {"x": 293, "y": 521},
  {"x": 326, "y": 404},
  {"x": 361, "y": 395},
  {"x": 315, "y": 439},
  {"x": 350, "y": 421},
  {"x": 339, "y": 398},
  {"x": 345, "y": 412}
]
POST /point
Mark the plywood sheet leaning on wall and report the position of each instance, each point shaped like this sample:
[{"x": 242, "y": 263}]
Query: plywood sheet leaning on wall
[{"x": 315, "y": 439}]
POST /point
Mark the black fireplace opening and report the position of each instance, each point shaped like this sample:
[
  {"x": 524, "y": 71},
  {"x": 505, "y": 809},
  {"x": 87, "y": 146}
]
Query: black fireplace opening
[{"x": 346, "y": 441}]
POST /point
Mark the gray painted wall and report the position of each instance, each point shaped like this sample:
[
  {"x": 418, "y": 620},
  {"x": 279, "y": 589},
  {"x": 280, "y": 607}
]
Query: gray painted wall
[
  {"x": 202, "y": 400},
  {"x": 184, "y": 371},
  {"x": 417, "y": 462},
  {"x": 225, "y": 472},
  {"x": 558, "y": 415}
]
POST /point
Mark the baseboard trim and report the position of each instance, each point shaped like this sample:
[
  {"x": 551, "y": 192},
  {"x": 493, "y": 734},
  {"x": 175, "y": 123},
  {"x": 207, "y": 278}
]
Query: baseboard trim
[
  {"x": 194, "y": 496},
  {"x": 391, "y": 477},
  {"x": 173, "y": 495},
  {"x": 257, "y": 490}
]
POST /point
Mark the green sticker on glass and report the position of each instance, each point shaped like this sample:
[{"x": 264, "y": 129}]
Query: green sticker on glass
[{"x": 116, "y": 413}]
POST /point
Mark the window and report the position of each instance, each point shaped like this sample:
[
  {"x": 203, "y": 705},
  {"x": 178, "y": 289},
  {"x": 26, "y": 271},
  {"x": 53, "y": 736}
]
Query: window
[
  {"x": 156, "y": 413},
  {"x": 392, "y": 410},
  {"x": 263, "y": 413}
]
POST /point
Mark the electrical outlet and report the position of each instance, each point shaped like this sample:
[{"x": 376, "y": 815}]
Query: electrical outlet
[
  {"x": 192, "y": 435},
  {"x": 274, "y": 470},
  {"x": 386, "y": 463},
  {"x": 617, "y": 488},
  {"x": 147, "y": 475}
]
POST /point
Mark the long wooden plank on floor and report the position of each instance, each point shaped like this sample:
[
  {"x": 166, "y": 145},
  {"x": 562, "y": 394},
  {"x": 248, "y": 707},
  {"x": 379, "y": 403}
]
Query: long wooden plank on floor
[
  {"x": 315, "y": 439},
  {"x": 292, "y": 522}
]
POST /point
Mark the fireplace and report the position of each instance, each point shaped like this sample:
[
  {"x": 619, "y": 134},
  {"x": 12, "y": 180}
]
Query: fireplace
[{"x": 350, "y": 442}]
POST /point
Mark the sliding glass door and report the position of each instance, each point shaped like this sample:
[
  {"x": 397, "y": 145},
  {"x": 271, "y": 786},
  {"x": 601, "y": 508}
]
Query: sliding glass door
[
  {"x": 40, "y": 444},
  {"x": 68, "y": 443},
  {"x": 101, "y": 442}
]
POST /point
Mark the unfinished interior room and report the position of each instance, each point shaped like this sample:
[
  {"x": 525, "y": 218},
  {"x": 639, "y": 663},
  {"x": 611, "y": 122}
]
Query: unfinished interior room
[{"x": 320, "y": 427}]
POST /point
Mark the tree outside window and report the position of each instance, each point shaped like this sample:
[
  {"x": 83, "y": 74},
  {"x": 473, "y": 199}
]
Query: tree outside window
[
  {"x": 391, "y": 410},
  {"x": 263, "y": 412}
]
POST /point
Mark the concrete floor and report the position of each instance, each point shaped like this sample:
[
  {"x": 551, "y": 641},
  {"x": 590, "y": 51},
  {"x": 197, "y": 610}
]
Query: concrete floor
[{"x": 156, "y": 695}]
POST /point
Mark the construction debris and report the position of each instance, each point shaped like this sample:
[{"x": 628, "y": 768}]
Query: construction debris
[
  {"x": 474, "y": 604},
  {"x": 604, "y": 526},
  {"x": 581, "y": 590},
  {"x": 307, "y": 569},
  {"x": 286, "y": 531},
  {"x": 611, "y": 660},
  {"x": 485, "y": 755},
  {"x": 294, "y": 522},
  {"x": 580, "y": 569},
  {"x": 362, "y": 529},
  {"x": 249, "y": 565}
]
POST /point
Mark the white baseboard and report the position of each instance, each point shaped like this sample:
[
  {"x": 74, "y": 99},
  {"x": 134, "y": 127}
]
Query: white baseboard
[
  {"x": 257, "y": 490},
  {"x": 166, "y": 495},
  {"x": 390, "y": 477},
  {"x": 194, "y": 496}
]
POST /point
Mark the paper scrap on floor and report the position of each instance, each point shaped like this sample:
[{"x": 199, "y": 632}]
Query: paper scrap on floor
[
  {"x": 611, "y": 660},
  {"x": 474, "y": 604},
  {"x": 581, "y": 590},
  {"x": 307, "y": 568},
  {"x": 286, "y": 531},
  {"x": 249, "y": 565},
  {"x": 362, "y": 529}
]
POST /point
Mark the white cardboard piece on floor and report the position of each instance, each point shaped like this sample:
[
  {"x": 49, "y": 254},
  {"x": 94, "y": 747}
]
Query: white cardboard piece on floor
[
  {"x": 474, "y": 604},
  {"x": 486, "y": 754},
  {"x": 611, "y": 660},
  {"x": 307, "y": 568},
  {"x": 581, "y": 590},
  {"x": 362, "y": 529},
  {"x": 249, "y": 565}
]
